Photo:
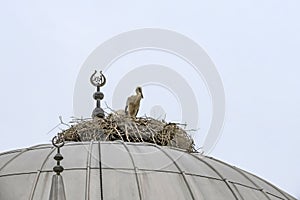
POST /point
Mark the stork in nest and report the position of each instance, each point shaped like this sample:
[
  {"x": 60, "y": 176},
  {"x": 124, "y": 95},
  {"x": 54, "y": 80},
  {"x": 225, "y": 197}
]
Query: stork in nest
[{"x": 133, "y": 103}]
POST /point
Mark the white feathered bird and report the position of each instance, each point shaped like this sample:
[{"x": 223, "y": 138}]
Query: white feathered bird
[{"x": 133, "y": 103}]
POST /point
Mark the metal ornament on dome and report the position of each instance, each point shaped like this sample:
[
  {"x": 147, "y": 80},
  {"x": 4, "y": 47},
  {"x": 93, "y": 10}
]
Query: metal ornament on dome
[
  {"x": 98, "y": 81},
  {"x": 57, "y": 191}
]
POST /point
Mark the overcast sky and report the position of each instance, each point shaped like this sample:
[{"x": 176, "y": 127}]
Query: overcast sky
[{"x": 254, "y": 45}]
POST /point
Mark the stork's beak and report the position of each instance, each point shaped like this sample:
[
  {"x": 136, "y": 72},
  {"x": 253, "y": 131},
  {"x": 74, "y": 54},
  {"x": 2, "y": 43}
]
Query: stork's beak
[{"x": 141, "y": 92}]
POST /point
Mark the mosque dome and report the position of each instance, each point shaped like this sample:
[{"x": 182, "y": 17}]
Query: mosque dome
[
  {"x": 127, "y": 170},
  {"x": 124, "y": 157}
]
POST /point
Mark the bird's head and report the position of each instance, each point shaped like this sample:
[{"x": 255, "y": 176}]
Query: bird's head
[{"x": 139, "y": 91}]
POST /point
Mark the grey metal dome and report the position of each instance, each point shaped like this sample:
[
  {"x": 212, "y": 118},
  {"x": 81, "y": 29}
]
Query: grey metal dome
[{"x": 119, "y": 170}]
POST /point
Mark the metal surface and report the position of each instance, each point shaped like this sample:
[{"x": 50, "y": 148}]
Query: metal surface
[
  {"x": 220, "y": 175},
  {"x": 135, "y": 170},
  {"x": 174, "y": 161},
  {"x": 38, "y": 174},
  {"x": 127, "y": 171},
  {"x": 88, "y": 172},
  {"x": 57, "y": 191},
  {"x": 100, "y": 170}
]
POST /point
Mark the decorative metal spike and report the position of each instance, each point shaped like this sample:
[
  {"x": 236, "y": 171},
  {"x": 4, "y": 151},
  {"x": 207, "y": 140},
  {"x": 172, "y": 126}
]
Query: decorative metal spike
[
  {"x": 98, "y": 81},
  {"x": 57, "y": 191}
]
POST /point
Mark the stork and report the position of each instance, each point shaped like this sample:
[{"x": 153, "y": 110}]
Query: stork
[{"x": 133, "y": 103}]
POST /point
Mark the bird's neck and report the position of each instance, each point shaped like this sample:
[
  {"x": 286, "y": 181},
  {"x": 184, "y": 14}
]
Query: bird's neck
[{"x": 139, "y": 95}]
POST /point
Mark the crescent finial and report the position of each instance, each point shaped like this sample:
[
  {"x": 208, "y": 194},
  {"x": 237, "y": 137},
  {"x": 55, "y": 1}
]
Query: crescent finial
[{"x": 97, "y": 81}]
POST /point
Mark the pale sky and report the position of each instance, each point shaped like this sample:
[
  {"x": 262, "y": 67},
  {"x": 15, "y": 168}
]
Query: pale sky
[{"x": 254, "y": 45}]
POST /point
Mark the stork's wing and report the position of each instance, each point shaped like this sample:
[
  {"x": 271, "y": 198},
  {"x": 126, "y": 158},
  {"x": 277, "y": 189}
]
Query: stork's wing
[{"x": 129, "y": 99}]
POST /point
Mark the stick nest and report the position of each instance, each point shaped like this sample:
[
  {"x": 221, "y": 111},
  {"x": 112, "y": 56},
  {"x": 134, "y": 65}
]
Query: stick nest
[{"x": 118, "y": 126}]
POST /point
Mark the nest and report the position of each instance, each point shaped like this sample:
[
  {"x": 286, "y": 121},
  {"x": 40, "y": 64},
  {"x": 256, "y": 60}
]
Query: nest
[{"x": 118, "y": 126}]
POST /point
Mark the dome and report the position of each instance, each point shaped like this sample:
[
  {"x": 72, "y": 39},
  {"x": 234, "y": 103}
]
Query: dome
[{"x": 125, "y": 170}]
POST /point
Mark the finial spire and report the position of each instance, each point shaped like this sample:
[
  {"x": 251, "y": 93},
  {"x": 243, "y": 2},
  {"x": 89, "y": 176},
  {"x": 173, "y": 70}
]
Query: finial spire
[
  {"x": 57, "y": 191},
  {"x": 98, "y": 81}
]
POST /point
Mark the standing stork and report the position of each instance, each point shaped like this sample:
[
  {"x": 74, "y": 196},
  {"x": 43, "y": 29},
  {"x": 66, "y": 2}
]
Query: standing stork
[{"x": 133, "y": 103}]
